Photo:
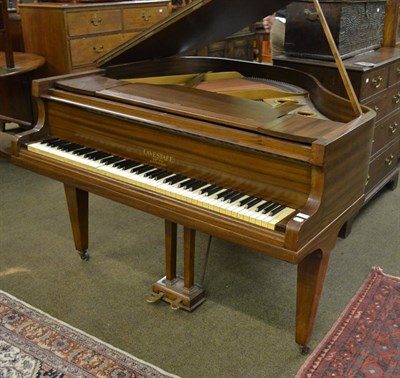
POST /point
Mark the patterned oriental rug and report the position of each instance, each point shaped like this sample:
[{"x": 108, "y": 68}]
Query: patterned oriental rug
[
  {"x": 365, "y": 340},
  {"x": 33, "y": 344}
]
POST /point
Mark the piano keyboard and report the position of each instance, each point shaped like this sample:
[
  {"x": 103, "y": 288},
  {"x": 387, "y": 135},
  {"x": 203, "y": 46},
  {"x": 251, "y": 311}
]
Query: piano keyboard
[{"x": 238, "y": 205}]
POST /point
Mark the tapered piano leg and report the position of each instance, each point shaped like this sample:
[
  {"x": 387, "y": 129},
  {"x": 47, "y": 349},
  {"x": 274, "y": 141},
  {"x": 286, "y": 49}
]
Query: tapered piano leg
[
  {"x": 78, "y": 207},
  {"x": 170, "y": 250},
  {"x": 311, "y": 273},
  {"x": 179, "y": 292}
]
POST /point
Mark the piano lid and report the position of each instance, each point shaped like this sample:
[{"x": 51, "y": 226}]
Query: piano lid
[{"x": 198, "y": 24}]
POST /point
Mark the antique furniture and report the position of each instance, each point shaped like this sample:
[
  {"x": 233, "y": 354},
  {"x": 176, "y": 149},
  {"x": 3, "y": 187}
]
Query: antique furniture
[
  {"x": 77, "y": 34},
  {"x": 376, "y": 79},
  {"x": 391, "y": 33},
  {"x": 262, "y": 44},
  {"x": 16, "y": 71},
  {"x": 259, "y": 155},
  {"x": 239, "y": 45},
  {"x": 356, "y": 26}
]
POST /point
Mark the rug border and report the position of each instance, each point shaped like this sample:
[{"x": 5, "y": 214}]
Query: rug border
[
  {"x": 362, "y": 291},
  {"x": 160, "y": 370}
]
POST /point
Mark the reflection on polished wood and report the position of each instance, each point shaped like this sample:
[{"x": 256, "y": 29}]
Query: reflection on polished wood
[{"x": 23, "y": 62}]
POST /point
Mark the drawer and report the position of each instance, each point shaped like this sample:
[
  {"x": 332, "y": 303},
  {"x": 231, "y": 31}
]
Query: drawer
[
  {"x": 385, "y": 102},
  {"x": 382, "y": 166},
  {"x": 93, "y": 22},
  {"x": 394, "y": 73},
  {"x": 143, "y": 17},
  {"x": 386, "y": 132},
  {"x": 373, "y": 82},
  {"x": 88, "y": 50}
]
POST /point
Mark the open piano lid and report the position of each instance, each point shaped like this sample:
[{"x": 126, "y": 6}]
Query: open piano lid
[{"x": 196, "y": 25}]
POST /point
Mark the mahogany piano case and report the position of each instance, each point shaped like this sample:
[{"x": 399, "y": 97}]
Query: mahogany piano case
[
  {"x": 356, "y": 26},
  {"x": 270, "y": 135}
]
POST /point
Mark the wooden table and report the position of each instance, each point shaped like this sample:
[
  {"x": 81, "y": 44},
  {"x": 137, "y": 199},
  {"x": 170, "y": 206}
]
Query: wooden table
[{"x": 15, "y": 91}]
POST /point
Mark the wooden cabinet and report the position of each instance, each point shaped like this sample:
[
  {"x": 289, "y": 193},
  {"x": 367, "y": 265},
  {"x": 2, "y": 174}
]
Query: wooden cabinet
[
  {"x": 375, "y": 76},
  {"x": 72, "y": 36}
]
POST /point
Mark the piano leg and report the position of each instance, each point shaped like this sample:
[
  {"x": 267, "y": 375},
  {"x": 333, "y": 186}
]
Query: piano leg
[
  {"x": 179, "y": 292},
  {"x": 78, "y": 207},
  {"x": 311, "y": 273}
]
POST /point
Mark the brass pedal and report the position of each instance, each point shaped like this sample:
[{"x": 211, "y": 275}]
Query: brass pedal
[
  {"x": 176, "y": 304},
  {"x": 153, "y": 298}
]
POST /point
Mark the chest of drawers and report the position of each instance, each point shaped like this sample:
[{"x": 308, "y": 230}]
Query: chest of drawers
[
  {"x": 375, "y": 76},
  {"x": 72, "y": 36}
]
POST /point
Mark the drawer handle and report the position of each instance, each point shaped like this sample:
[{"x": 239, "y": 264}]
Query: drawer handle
[
  {"x": 377, "y": 81},
  {"x": 393, "y": 128},
  {"x": 376, "y": 108},
  {"x": 398, "y": 70},
  {"x": 98, "y": 49},
  {"x": 146, "y": 16},
  {"x": 389, "y": 160},
  {"x": 396, "y": 98},
  {"x": 96, "y": 21},
  {"x": 367, "y": 181}
]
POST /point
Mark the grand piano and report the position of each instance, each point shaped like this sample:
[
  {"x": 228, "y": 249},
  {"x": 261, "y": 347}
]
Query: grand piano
[{"x": 258, "y": 155}]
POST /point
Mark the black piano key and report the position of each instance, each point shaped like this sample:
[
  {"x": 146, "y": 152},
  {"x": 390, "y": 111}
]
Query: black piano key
[
  {"x": 229, "y": 196},
  {"x": 175, "y": 179},
  {"x": 195, "y": 184},
  {"x": 277, "y": 210},
  {"x": 70, "y": 147},
  {"x": 50, "y": 140},
  {"x": 83, "y": 151},
  {"x": 98, "y": 155},
  {"x": 142, "y": 169},
  {"x": 253, "y": 202},
  {"x": 236, "y": 197},
  {"x": 130, "y": 164},
  {"x": 265, "y": 205},
  {"x": 163, "y": 175},
  {"x": 207, "y": 188},
  {"x": 216, "y": 189},
  {"x": 246, "y": 200},
  {"x": 186, "y": 183},
  {"x": 154, "y": 173},
  {"x": 271, "y": 210},
  {"x": 198, "y": 185},
  {"x": 111, "y": 160},
  {"x": 125, "y": 164},
  {"x": 224, "y": 193},
  {"x": 58, "y": 143},
  {"x": 75, "y": 148}
]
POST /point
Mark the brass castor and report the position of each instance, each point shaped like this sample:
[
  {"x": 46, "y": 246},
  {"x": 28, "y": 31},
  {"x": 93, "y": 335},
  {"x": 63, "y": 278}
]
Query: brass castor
[
  {"x": 84, "y": 255},
  {"x": 305, "y": 349}
]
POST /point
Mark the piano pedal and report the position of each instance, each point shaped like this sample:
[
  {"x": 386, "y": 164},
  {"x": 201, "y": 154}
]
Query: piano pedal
[
  {"x": 84, "y": 255},
  {"x": 153, "y": 298},
  {"x": 176, "y": 304}
]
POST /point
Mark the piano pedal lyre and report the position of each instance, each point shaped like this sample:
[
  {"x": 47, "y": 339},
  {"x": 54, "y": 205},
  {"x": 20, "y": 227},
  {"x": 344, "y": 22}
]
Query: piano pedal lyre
[{"x": 179, "y": 292}]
